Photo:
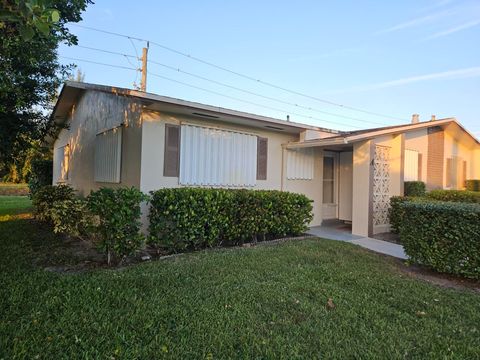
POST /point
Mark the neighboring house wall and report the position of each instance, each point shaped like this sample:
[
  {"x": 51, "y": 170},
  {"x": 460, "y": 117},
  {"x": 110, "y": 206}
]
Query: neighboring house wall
[
  {"x": 456, "y": 153},
  {"x": 95, "y": 112}
]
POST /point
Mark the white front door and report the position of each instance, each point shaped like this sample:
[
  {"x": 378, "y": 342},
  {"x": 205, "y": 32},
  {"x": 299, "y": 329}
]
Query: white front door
[{"x": 330, "y": 198}]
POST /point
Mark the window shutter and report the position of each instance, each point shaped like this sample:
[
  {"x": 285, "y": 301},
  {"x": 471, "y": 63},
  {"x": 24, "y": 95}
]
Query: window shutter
[
  {"x": 262, "y": 155},
  {"x": 108, "y": 156},
  {"x": 464, "y": 175},
  {"x": 172, "y": 150},
  {"x": 419, "y": 177}
]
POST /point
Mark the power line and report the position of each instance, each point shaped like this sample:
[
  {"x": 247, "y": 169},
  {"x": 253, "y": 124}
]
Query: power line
[
  {"x": 209, "y": 91},
  {"x": 243, "y": 75},
  {"x": 250, "y": 102},
  {"x": 236, "y": 88},
  {"x": 99, "y": 63}
]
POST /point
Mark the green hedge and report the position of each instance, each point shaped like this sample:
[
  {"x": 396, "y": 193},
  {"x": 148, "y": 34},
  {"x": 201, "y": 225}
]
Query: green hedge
[
  {"x": 454, "y": 196},
  {"x": 396, "y": 212},
  {"x": 443, "y": 235},
  {"x": 194, "y": 218},
  {"x": 473, "y": 185},
  {"x": 414, "y": 188},
  {"x": 118, "y": 220}
]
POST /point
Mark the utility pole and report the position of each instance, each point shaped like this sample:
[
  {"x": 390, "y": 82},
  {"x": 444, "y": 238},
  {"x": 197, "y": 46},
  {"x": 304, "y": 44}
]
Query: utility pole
[{"x": 143, "y": 86}]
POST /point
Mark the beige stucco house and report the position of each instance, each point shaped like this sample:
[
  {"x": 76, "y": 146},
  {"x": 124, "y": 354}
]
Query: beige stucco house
[{"x": 119, "y": 137}]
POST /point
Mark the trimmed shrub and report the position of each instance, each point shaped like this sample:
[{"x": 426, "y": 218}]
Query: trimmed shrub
[
  {"x": 117, "y": 213},
  {"x": 44, "y": 198},
  {"x": 195, "y": 218},
  {"x": 454, "y": 196},
  {"x": 473, "y": 185},
  {"x": 396, "y": 212},
  {"x": 414, "y": 188},
  {"x": 72, "y": 217},
  {"x": 41, "y": 175},
  {"x": 443, "y": 235}
]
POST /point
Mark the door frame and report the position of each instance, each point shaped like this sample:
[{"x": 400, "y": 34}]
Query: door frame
[{"x": 326, "y": 207}]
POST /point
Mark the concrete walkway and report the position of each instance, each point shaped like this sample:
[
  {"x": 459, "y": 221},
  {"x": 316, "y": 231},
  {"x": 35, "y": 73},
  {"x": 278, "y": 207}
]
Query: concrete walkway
[{"x": 340, "y": 232}]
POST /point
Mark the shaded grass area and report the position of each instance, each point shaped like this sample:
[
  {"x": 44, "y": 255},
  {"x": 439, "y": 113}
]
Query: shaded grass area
[
  {"x": 260, "y": 302},
  {"x": 13, "y": 189},
  {"x": 13, "y": 205}
]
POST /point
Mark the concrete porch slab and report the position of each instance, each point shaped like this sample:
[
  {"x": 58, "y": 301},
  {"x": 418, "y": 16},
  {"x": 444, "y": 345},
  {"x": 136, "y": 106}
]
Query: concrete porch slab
[
  {"x": 380, "y": 246},
  {"x": 339, "y": 233}
]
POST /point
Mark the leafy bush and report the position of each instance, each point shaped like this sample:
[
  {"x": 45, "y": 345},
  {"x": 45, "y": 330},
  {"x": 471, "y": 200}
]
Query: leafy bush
[
  {"x": 44, "y": 198},
  {"x": 455, "y": 196},
  {"x": 117, "y": 213},
  {"x": 72, "y": 217},
  {"x": 414, "y": 188},
  {"x": 194, "y": 218},
  {"x": 41, "y": 175},
  {"x": 473, "y": 185},
  {"x": 443, "y": 235}
]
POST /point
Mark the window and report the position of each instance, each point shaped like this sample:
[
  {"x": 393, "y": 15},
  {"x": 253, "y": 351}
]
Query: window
[
  {"x": 262, "y": 153},
  {"x": 328, "y": 180},
  {"x": 62, "y": 163},
  {"x": 214, "y": 157},
  {"x": 171, "y": 156},
  {"x": 300, "y": 164},
  {"x": 108, "y": 155},
  {"x": 412, "y": 170},
  {"x": 456, "y": 172}
]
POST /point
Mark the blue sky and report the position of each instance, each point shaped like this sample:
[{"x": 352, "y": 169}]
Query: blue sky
[{"x": 394, "y": 58}]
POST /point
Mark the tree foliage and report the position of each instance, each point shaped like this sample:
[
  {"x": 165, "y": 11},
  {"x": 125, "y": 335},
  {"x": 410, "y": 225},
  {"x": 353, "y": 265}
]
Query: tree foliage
[{"x": 30, "y": 74}]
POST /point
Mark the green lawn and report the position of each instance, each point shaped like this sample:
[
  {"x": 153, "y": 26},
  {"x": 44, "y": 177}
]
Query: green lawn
[
  {"x": 12, "y": 205},
  {"x": 258, "y": 302}
]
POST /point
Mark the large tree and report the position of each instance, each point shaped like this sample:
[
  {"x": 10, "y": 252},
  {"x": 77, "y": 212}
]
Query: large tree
[{"x": 30, "y": 73}]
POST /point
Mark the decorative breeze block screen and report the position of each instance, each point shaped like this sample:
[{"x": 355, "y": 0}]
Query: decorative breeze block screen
[
  {"x": 216, "y": 157},
  {"x": 381, "y": 185}
]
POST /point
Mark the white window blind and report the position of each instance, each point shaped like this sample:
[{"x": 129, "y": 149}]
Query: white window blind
[
  {"x": 108, "y": 155},
  {"x": 62, "y": 159},
  {"x": 300, "y": 164},
  {"x": 214, "y": 157},
  {"x": 411, "y": 165}
]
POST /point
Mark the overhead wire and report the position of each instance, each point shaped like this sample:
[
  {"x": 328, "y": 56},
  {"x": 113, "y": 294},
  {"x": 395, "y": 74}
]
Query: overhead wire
[
  {"x": 236, "y": 88},
  {"x": 248, "y": 77},
  {"x": 209, "y": 91}
]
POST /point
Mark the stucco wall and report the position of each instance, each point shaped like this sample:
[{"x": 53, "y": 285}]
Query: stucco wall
[
  {"x": 153, "y": 143},
  {"x": 362, "y": 156},
  {"x": 94, "y": 112},
  {"x": 311, "y": 188}
]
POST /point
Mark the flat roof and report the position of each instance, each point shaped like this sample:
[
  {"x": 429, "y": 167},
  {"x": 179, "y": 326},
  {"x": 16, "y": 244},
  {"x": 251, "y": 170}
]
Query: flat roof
[
  {"x": 72, "y": 90},
  {"x": 350, "y": 137}
]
